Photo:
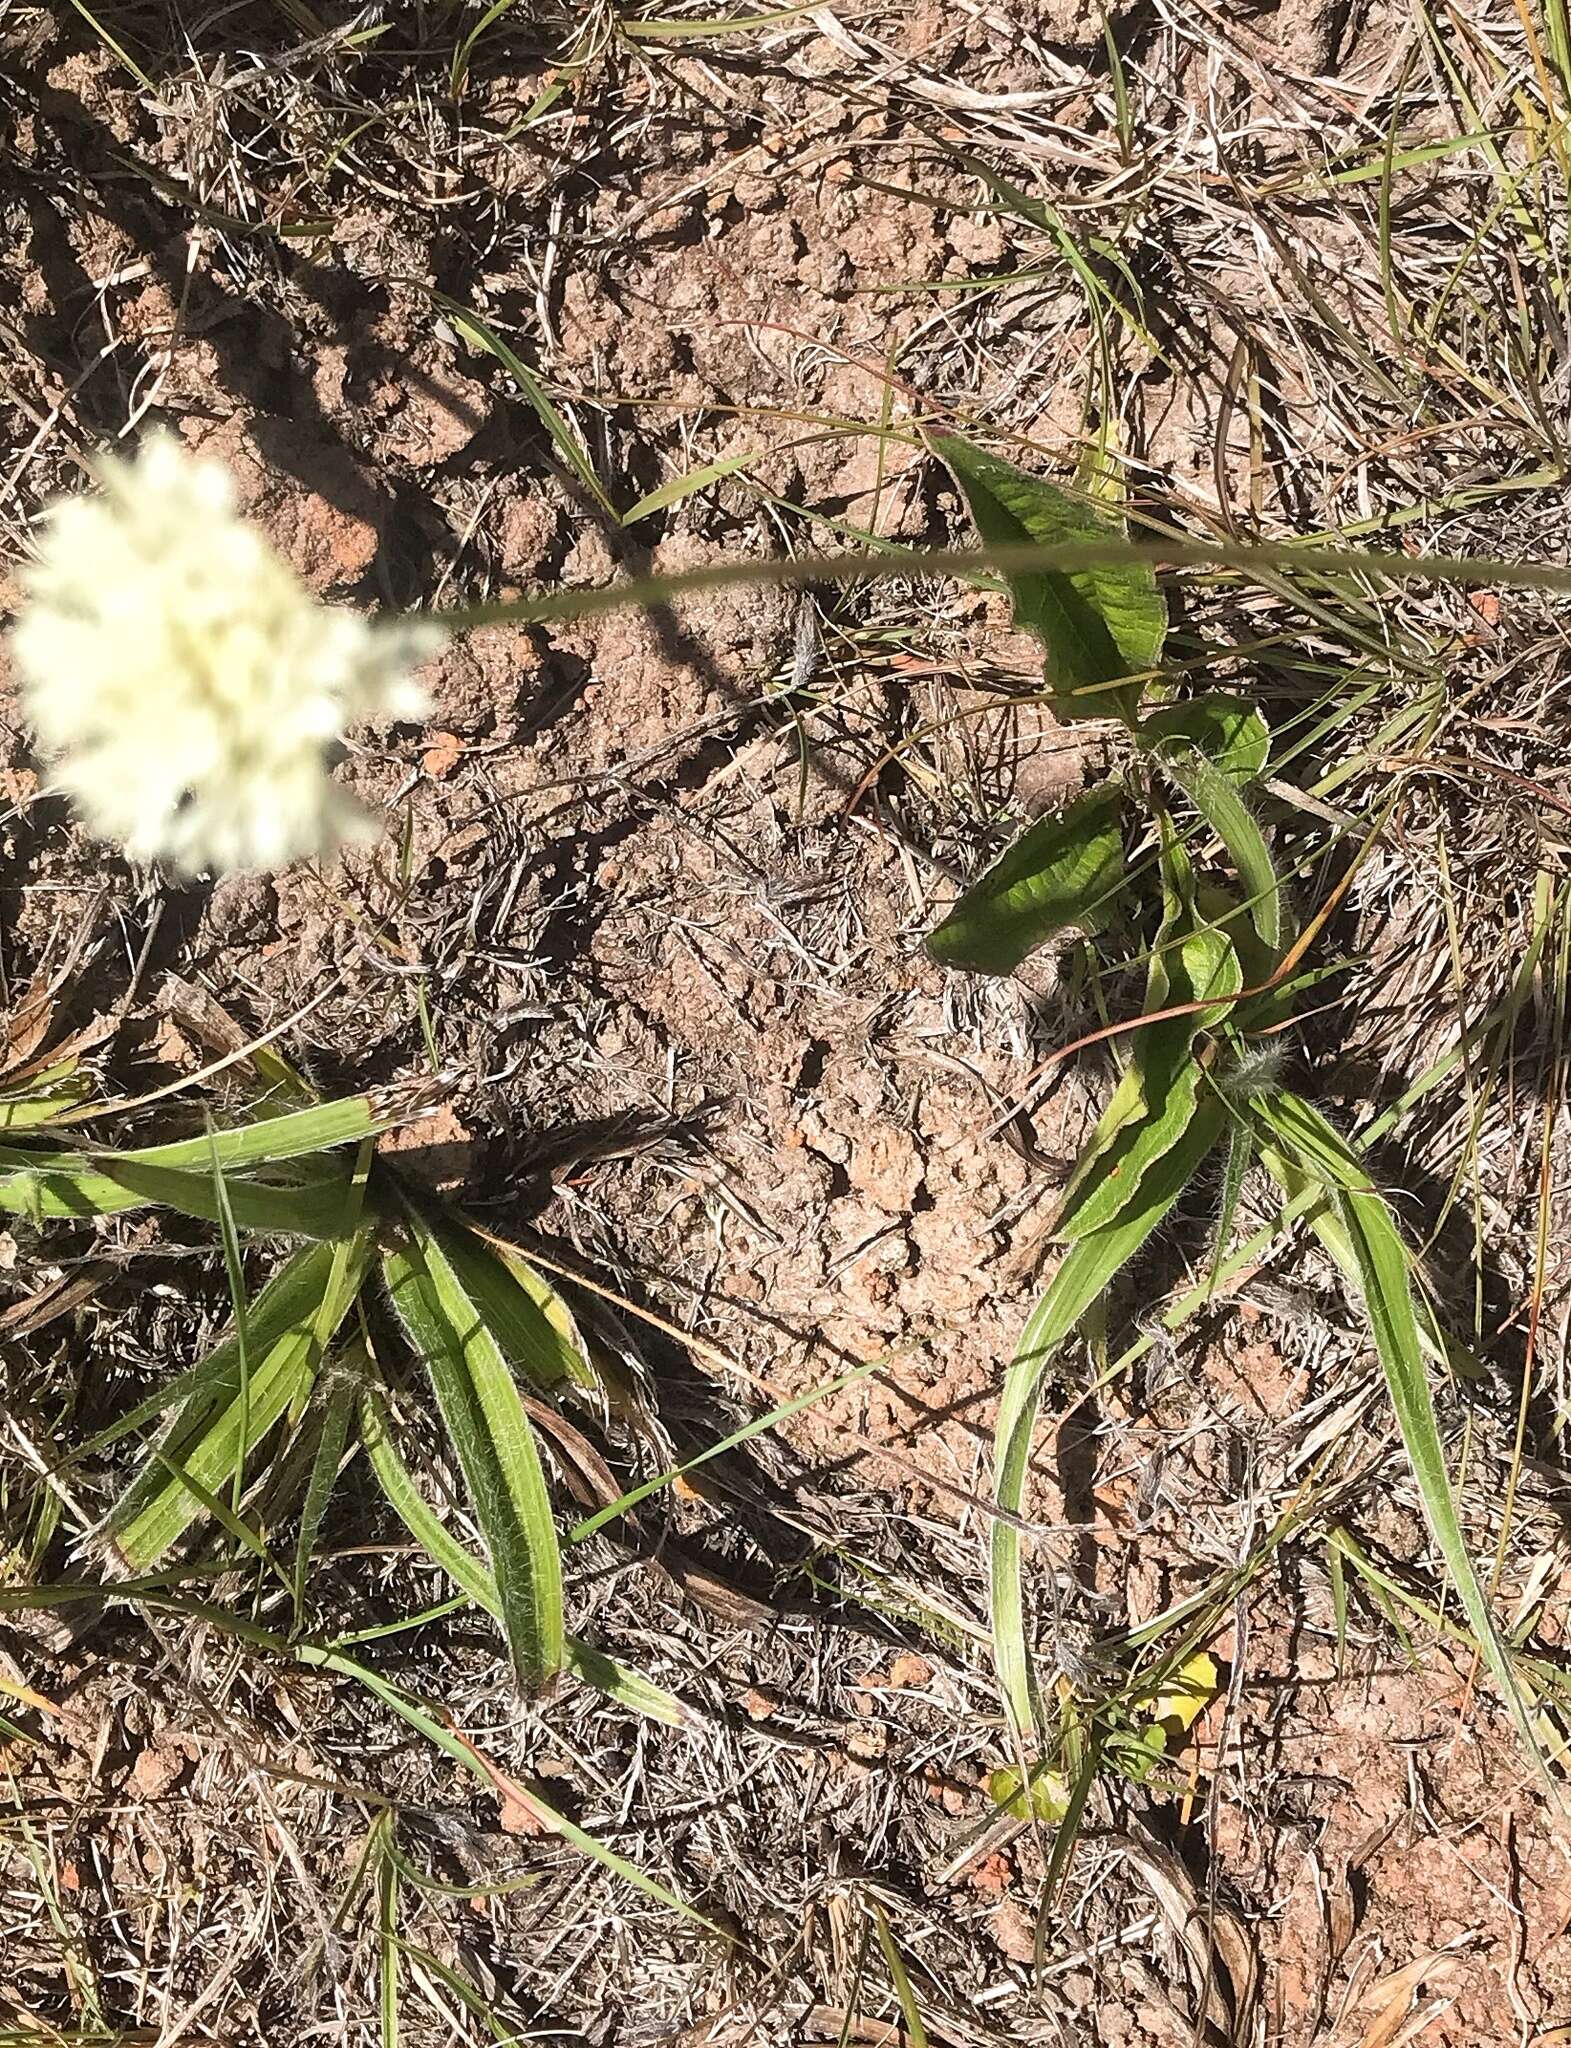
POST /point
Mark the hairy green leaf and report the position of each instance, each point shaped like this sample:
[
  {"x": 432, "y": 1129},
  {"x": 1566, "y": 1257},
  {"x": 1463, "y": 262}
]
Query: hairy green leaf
[
  {"x": 1169, "y": 1072},
  {"x": 485, "y": 1418},
  {"x": 311, "y": 1199},
  {"x": 331, "y": 1443},
  {"x": 227, "y": 1409},
  {"x": 1157, "y": 1091},
  {"x": 524, "y": 1312},
  {"x": 44, "y": 1185},
  {"x": 618, "y": 1681},
  {"x": 1229, "y": 731},
  {"x": 1215, "y": 796}
]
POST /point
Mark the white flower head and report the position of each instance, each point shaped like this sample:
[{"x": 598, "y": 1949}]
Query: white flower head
[{"x": 185, "y": 683}]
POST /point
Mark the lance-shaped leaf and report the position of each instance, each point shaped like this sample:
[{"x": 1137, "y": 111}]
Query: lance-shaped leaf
[
  {"x": 1061, "y": 871},
  {"x": 235, "y": 1398},
  {"x": 1099, "y": 625},
  {"x": 1297, "y": 1142},
  {"x": 1086, "y": 1269},
  {"x": 618, "y": 1681},
  {"x": 490, "y": 1431}
]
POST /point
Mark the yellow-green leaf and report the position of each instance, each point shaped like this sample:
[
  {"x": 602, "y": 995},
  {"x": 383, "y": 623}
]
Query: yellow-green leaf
[{"x": 1045, "y": 1796}]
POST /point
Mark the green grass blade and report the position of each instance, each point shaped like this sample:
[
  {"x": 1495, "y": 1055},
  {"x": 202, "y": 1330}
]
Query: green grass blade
[
  {"x": 676, "y": 488},
  {"x": 1337, "y": 1574},
  {"x": 464, "y": 51},
  {"x": 563, "y": 438},
  {"x": 1061, "y": 871},
  {"x": 230, "y": 1412},
  {"x": 756, "y": 1427},
  {"x": 606, "y": 1674},
  {"x": 900, "y": 1977},
  {"x": 119, "y": 49},
  {"x": 673, "y": 29},
  {"x": 496, "y": 1448},
  {"x": 529, "y": 1319},
  {"x": 1385, "y": 1278},
  {"x": 1082, "y": 1277}
]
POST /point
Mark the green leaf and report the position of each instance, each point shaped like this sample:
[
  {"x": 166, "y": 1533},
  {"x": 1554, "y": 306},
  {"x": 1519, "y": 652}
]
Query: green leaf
[
  {"x": 563, "y": 437},
  {"x": 1229, "y": 731},
  {"x": 606, "y": 1674},
  {"x": 1168, "y": 1071},
  {"x": 1158, "y": 1090},
  {"x": 1294, "y": 1135},
  {"x": 270, "y": 1139},
  {"x": 289, "y": 1300},
  {"x": 1240, "y": 1157},
  {"x": 1061, "y": 871},
  {"x": 1082, "y": 1276},
  {"x": 44, "y": 1101},
  {"x": 1098, "y": 624},
  {"x": 1215, "y": 796},
  {"x": 676, "y": 488},
  {"x": 1129, "y": 1102},
  {"x": 40, "y": 1186},
  {"x": 228, "y": 1410},
  {"x": 311, "y": 1202},
  {"x": 523, "y": 1311},
  {"x": 490, "y": 1431}
]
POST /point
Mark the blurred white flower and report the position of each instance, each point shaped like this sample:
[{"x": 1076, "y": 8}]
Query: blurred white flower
[{"x": 187, "y": 686}]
